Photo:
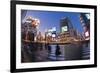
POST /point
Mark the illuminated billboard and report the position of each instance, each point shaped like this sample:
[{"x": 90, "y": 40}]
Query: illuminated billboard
[{"x": 64, "y": 29}]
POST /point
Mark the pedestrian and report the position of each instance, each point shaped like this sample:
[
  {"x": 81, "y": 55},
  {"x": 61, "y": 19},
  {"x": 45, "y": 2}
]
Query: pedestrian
[{"x": 57, "y": 52}]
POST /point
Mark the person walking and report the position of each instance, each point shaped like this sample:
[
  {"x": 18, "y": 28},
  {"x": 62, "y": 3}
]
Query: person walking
[{"x": 57, "y": 52}]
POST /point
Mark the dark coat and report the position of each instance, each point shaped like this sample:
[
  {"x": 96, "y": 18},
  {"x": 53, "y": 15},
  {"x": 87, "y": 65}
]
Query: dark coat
[{"x": 57, "y": 52}]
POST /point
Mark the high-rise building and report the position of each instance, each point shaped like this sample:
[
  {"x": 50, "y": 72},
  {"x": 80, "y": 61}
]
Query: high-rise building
[
  {"x": 65, "y": 24},
  {"x": 85, "y": 19},
  {"x": 23, "y": 14}
]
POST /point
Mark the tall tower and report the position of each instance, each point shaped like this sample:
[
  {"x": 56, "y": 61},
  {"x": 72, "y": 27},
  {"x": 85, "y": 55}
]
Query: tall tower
[
  {"x": 85, "y": 20},
  {"x": 65, "y": 24},
  {"x": 23, "y": 14}
]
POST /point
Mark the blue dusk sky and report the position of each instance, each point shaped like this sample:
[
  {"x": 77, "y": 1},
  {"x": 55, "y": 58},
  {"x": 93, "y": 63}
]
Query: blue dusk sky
[{"x": 49, "y": 19}]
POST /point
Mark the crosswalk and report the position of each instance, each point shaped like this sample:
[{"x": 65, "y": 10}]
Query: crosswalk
[
  {"x": 53, "y": 57},
  {"x": 44, "y": 55},
  {"x": 86, "y": 52}
]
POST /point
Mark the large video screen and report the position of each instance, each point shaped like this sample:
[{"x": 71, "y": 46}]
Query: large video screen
[{"x": 64, "y": 29}]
